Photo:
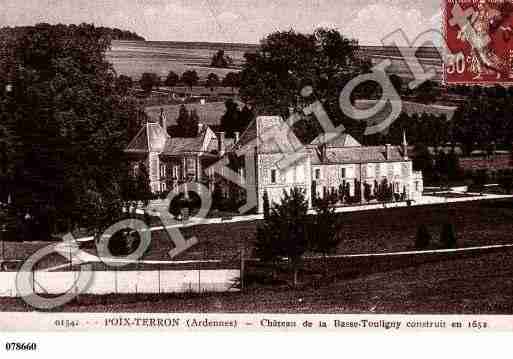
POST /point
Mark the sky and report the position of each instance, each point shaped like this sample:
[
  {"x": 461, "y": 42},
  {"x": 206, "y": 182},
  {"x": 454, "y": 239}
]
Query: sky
[{"x": 244, "y": 21}]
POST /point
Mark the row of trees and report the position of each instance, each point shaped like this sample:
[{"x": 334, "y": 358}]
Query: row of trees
[
  {"x": 439, "y": 166},
  {"x": 381, "y": 191},
  {"x": 150, "y": 80}
]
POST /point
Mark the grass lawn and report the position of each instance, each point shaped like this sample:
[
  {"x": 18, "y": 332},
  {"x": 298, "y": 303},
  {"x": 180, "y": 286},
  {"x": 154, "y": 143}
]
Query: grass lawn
[
  {"x": 477, "y": 223},
  {"x": 385, "y": 230},
  {"x": 469, "y": 282}
]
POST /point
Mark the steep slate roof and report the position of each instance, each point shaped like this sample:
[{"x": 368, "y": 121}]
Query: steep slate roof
[
  {"x": 336, "y": 140},
  {"x": 201, "y": 143},
  {"x": 270, "y": 134},
  {"x": 343, "y": 148},
  {"x": 348, "y": 155},
  {"x": 228, "y": 144},
  {"x": 179, "y": 145},
  {"x": 150, "y": 138}
]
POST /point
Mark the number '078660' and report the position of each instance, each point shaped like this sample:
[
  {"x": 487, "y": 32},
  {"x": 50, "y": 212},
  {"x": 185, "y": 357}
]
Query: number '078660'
[{"x": 20, "y": 346}]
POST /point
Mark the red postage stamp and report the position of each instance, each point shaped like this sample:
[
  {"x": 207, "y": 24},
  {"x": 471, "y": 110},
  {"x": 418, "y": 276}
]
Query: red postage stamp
[{"x": 479, "y": 41}]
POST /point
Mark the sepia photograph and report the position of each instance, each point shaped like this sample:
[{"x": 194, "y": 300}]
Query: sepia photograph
[{"x": 265, "y": 164}]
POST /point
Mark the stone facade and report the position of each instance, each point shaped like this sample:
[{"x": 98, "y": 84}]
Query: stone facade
[{"x": 322, "y": 166}]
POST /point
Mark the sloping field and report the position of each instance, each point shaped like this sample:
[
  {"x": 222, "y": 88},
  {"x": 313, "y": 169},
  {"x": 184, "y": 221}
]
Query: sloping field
[{"x": 132, "y": 58}]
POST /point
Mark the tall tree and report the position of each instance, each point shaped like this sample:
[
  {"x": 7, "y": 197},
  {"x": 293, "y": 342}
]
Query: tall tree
[
  {"x": 232, "y": 79},
  {"x": 172, "y": 79},
  {"x": 324, "y": 234},
  {"x": 230, "y": 120},
  {"x": 267, "y": 207},
  {"x": 142, "y": 185},
  {"x": 286, "y": 62},
  {"x": 212, "y": 80},
  {"x": 219, "y": 59},
  {"x": 67, "y": 121},
  {"x": 283, "y": 233},
  {"x": 182, "y": 121},
  {"x": 148, "y": 81},
  {"x": 193, "y": 125},
  {"x": 190, "y": 78},
  {"x": 123, "y": 84}
]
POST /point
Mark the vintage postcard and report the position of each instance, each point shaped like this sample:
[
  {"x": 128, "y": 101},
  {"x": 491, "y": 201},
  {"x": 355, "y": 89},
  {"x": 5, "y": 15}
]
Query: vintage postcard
[{"x": 311, "y": 166}]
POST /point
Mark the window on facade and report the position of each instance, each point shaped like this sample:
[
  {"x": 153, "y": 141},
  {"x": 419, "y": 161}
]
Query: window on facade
[
  {"x": 317, "y": 173},
  {"x": 371, "y": 170},
  {"x": 273, "y": 176},
  {"x": 343, "y": 173},
  {"x": 397, "y": 169},
  {"x": 191, "y": 166},
  {"x": 380, "y": 170},
  {"x": 300, "y": 174},
  {"x": 404, "y": 169},
  {"x": 163, "y": 171},
  {"x": 290, "y": 175},
  {"x": 416, "y": 186}
]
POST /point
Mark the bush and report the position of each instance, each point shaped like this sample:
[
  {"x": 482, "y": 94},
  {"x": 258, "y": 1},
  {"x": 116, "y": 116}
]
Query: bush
[
  {"x": 479, "y": 179},
  {"x": 448, "y": 236},
  {"x": 179, "y": 202},
  {"x": 505, "y": 180},
  {"x": 423, "y": 237},
  {"x": 124, "y": 242}
]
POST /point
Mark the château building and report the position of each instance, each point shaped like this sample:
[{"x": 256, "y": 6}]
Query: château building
[{"x": 268, "y": 157}]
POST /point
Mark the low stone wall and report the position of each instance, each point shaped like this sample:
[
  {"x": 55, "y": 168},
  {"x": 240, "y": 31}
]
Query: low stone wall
[{"x": 127, "y": 282}]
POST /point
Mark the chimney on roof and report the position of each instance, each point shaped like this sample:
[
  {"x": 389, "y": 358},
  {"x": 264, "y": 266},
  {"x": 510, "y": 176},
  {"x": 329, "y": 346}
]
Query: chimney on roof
[
  {"x": 237, "y": 137},
  {"x": 322, "y": 148},
  {"x": 163, "y": 119},
  {"x": 405, "y": 146},
  {"x": 220, "y": 143},
  {"x": 388, "y": 152}
]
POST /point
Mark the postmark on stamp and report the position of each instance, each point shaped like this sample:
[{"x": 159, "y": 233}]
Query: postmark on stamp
[{"x": 479, "y": 40}]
